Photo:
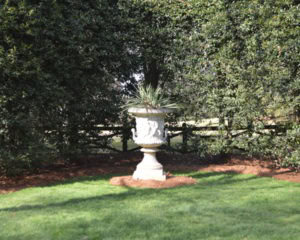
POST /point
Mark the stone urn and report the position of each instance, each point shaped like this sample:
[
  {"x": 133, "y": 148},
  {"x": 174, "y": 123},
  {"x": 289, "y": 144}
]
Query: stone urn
[{"x": 149, "y": 134}]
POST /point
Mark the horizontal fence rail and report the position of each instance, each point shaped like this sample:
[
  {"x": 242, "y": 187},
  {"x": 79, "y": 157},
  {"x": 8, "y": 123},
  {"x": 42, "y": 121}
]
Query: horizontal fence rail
[{"x": 185, "y": 131}]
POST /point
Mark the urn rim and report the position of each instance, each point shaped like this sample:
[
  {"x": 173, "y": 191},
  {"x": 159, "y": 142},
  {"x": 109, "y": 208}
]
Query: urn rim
[{"x": 145, "y": 110}]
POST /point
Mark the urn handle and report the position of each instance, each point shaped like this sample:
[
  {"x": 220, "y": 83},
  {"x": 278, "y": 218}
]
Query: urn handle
[
  {"x": 134, "y": 135},
  {"x": 166, "y": 134}
]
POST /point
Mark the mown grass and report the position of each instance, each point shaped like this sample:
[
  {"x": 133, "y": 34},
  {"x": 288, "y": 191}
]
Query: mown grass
[{"x": 219, "y": 206}]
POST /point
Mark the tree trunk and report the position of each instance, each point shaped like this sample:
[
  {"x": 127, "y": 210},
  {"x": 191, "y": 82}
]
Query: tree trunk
[{"x": 151, "y": 73}]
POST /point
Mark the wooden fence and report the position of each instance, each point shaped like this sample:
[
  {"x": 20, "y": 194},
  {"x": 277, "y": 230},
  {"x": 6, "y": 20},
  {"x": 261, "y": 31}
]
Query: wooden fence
[{"x": 186, "y": 131}]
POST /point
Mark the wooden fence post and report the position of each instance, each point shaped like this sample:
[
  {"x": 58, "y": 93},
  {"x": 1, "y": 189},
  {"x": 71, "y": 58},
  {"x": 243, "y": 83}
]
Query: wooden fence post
[
  {"x": 168, "y": 138},
  {"x": 184, "y": 138},
  {"x": 169, "y": 141},
  {"x": 125, "y": 134},
  {"x": 125, "y": 138}
]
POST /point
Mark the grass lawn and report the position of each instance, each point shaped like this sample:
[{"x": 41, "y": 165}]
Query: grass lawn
[{"x": 219, "y": 206}]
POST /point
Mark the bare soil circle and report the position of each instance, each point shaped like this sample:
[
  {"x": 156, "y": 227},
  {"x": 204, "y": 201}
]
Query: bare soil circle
[{"x": 171, "y": 181}]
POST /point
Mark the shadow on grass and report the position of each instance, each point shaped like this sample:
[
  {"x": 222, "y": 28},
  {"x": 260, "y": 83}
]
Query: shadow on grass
[
  {"x": 212, "y": 179},
  {"x": 106, "y": 197},
  {"x": 224, "y": 178},
  {"x": 200, "y": 211}
]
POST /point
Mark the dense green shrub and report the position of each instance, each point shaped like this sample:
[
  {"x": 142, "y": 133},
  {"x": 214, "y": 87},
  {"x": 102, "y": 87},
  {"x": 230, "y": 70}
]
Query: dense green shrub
[
  {"x": 59, "y": 66},
  {"x": 287, "y": 148},
  {"x": 242, "y": 67}
]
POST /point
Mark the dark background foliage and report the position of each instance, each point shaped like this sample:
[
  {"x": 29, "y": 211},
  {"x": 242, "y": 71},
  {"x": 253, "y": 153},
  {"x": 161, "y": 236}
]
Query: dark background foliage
[{"x": 65, "y": 67}]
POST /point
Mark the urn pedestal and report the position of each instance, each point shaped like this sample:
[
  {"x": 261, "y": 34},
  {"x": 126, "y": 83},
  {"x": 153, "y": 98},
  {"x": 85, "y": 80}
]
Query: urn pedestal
[{"x": 150, "y": 134}]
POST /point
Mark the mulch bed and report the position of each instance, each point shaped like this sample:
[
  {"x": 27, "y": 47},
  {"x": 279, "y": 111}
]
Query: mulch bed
[
  {"x": 124, "y": 164},
  {"x": 171, "y": 181}
]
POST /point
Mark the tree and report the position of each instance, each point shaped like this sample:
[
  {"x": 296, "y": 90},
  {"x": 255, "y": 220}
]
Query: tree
[{"x": 153, "y": 27}]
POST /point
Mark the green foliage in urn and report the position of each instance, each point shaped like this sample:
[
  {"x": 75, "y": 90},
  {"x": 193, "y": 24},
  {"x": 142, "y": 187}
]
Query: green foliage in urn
[{"x": 148, "y": 97}]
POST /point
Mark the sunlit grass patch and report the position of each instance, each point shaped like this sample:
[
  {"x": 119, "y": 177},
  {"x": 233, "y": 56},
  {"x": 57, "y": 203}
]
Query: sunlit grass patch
[{"x": 219, "y": 206}]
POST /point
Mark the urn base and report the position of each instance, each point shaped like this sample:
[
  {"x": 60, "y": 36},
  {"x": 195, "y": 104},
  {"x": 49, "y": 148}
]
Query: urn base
[
  {"x": 149, "y": 175},
  {"x": 149, "y": 168}
]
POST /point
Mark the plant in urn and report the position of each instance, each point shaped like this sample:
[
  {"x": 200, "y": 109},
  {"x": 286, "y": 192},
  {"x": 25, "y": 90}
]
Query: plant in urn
[{"x": 149, "y": 109}]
